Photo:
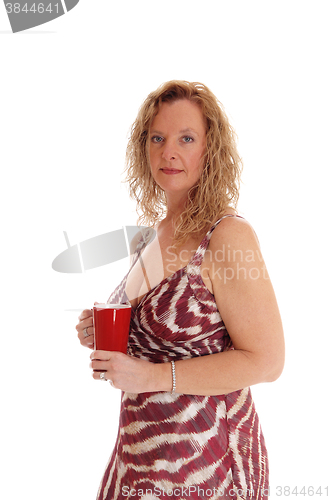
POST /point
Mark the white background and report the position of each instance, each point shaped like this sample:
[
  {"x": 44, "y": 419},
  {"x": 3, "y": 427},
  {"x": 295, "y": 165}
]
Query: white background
[{"x": 70, "y": 90}]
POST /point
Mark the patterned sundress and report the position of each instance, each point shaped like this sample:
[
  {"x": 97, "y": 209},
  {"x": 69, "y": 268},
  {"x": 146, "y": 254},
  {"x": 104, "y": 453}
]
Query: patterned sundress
[{"x": 181, "y": 446}]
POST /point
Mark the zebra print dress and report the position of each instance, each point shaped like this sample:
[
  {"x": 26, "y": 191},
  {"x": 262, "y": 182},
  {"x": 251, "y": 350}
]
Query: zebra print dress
[{"x": 182, "y": 446}]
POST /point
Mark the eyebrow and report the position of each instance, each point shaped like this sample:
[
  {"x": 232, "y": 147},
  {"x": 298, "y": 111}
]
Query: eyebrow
[{"x": 183, "y": 131}]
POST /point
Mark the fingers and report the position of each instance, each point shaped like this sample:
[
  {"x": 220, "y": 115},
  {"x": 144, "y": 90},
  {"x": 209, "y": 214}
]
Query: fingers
[
  {"x": 106, "y": 377},
  {"x": 99, "y": 367},
  {"x": 88, "y": 342},
  {"x": 85, "y": 323},
  {"x": 100, "y": 362},
  {"x": 85, "y": 314},
  {"x": 104, "y": 355},
  {"x": 108, "y": 362},
  {"x": 85, "y": 329}
]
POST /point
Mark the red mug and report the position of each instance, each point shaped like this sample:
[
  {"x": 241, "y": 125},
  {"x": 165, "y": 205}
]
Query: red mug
[{"x": 111, "y": 323}]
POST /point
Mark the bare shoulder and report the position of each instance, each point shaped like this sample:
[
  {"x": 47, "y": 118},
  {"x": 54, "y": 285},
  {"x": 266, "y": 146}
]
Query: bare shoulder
[
  {"x": 234, "y": 233},
  {"x": 235, "y": 257}
]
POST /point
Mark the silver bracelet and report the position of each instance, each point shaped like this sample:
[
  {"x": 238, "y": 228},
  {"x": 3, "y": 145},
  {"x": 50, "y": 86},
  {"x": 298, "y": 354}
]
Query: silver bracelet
[{"x": 173, "y": 377}]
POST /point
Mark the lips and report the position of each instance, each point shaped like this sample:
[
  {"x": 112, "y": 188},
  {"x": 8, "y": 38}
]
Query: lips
[{"x": 171, "y": 171}]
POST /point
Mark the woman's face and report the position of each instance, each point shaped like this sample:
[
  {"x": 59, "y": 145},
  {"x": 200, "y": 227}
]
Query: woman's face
[{"x": 177, "y": 144}]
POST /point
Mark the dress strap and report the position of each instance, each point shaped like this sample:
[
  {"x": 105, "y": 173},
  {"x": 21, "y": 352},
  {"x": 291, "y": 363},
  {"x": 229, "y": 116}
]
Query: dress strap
[
  {"x": 199, "y": 254},
  {"x": 193, "y": 269},
  {"x": 119, "y": 295}
]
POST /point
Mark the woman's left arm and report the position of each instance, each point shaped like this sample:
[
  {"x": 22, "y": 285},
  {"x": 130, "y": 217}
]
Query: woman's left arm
[{"x": 248, "y": 307}]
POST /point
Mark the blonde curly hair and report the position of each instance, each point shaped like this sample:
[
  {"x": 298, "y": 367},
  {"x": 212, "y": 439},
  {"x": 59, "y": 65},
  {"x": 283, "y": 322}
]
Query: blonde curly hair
[{"x": 218, "y": 187}]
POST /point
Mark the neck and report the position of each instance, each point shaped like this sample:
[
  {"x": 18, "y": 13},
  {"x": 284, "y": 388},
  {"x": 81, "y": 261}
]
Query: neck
[{"x": 175, "y": 206}]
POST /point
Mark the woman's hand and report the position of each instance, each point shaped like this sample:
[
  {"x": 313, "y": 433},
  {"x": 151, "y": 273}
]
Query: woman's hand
[
  {"x": 131, "y": 374},
  {"x": 85, "y": 328}
]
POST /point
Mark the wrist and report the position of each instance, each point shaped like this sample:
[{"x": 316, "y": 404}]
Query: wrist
[{"x": 162, "y": 379}]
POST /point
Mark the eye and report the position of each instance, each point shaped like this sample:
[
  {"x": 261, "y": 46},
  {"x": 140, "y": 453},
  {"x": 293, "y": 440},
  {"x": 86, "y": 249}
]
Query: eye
[
  {"x": 156, "y": 138},
  {"x": 187, "y": 139}
]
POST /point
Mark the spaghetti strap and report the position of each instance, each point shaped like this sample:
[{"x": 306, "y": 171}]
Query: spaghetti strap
[
  {"x": 119, "y": 295},
  {"x": 199, "y": 254}
]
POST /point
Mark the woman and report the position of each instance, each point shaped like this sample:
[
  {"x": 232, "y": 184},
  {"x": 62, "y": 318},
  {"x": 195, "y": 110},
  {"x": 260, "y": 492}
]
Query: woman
[{"x": 205, "y": 323}]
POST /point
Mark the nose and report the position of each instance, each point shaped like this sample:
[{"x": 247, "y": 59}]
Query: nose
[{"x": 169, "y": 151}]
